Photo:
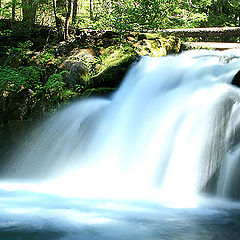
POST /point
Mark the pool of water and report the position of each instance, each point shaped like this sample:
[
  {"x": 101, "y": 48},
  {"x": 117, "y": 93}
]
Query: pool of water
[{"x": 27, "y": 215}]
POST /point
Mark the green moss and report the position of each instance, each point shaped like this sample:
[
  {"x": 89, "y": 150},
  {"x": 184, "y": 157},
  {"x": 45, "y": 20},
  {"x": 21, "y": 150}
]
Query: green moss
[
  {"x": 98, "y": 91},
  {"x": 69, "y": 94},
  {"x": 153, "y": 44},
  {"x": 114, "y": 56},
  {"x": 171, "y": 44},
  {"x": 112, "y": 62},
  {"x": 148, "y": 36},
  {"x": 112, "y": 65},
  {"x": 150, "y": 47}
]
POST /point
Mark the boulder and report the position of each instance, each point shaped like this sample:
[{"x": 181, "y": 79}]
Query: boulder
[
  {"x": 236, "y": 79},
  {"x": 77, "y": 73}
]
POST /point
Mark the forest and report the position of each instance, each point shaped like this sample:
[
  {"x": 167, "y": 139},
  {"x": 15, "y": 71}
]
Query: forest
[
  {"x": 140, "y": 15},
  {"x": 54, "y": 51}
]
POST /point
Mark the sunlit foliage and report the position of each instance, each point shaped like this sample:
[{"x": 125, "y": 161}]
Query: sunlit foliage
[{"x": 124, "y": 15}]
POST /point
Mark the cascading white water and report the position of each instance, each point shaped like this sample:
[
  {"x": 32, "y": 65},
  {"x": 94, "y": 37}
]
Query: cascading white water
[{"x": 171, "y": 127}]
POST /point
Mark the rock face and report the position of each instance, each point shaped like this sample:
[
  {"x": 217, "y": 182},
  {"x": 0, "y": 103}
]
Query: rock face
[
  {"x": 14, "y": 113},
  {"x": 108, "y": 55},
  {"x": 236, "y": 79},
  {"x": 78, "y": 72}
]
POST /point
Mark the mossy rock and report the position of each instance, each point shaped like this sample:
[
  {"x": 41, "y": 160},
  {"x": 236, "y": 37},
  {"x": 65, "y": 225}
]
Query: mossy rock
[
  {"x": 113, "y": 75},
  {"x": 111, "y": 55},
  {"x": 153, "y": 44},
  {"x": 101, "y": 91},
  {"x": 151, "y": 48},
  {"x": 171, "y": 44},
  {"x": 112, "y": 62},
  {"x": 113, "y": 66},
  {"x": 148, "y": 36},
  {"x": 85, "y": 55}
]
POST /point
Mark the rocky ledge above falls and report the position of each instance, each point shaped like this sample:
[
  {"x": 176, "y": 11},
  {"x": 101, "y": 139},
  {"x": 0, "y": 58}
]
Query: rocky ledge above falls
[{"x": 105, "y": 57}]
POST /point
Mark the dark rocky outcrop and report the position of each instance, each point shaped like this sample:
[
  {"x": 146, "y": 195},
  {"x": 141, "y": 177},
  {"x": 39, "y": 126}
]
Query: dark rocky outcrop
[
  {"x": 77, "y": 73},
  {"x": 236, "y": 79}
]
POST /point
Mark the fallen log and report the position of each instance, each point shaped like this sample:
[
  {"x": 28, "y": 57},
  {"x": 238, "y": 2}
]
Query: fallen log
[
  {"x": 203, "y": 32},
  {"x": 212, "y": 45}
]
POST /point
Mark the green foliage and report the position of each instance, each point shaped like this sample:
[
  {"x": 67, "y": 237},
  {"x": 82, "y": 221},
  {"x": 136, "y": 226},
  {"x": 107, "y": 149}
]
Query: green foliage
[
  {"x": 218, "y": 12},
  {"x": 16, "y": 79},
  {"x": 22, "y": 55},
  {"x": 235, "y": 4},
  {"x": 46, "y": 57},
  {"x": 54, "y": 89},
  {"x": 68, "y": 95},
  {"x": 142, "y": 15},
  {"x": 128, "y": 15},
  {"x": 19, "y": 55},
  {"x": 55, "y": 83},
  {"x": 32, "y": 75},
  {"x": 6, "y": 33}
]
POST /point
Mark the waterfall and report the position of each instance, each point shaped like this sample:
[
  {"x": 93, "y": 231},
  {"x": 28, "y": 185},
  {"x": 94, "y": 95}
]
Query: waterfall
[{"x": 172, "y": 128}]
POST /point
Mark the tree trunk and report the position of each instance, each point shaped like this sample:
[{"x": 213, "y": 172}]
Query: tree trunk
[
  {"x": 58, "y": 25},
  {"x": 203, "y": 32},
  {"x": 13, "y": 9},
  {"x": 74, "y": 12},
  {"x": 59, "y": 8},
  {"x": 29, "y": 11},
  {"x": 68, "y": 15},
  {"x": 91, "y": 9}
]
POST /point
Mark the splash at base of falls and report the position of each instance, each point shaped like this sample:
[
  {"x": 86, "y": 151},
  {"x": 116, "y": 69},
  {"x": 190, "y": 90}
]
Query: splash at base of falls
[{"x": 167, "y": 134}]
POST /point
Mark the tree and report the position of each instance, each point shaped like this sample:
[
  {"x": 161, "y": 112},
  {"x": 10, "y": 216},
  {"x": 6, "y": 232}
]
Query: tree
[
  {"x": 62, "y": 12},
  {"x": 119, "y": 15},
  {"x": 59, "y": 8},
  {"x": 74, "y": 12},
  {"x": 67, "y": 20},
  {"x": 29, "y": 8},
  {"x": 13, "y": 9},
  {"x": 91, "y": 9}
]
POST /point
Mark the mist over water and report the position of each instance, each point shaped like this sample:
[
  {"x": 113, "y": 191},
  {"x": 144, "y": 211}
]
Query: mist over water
[{"x": 170, "y": 134}]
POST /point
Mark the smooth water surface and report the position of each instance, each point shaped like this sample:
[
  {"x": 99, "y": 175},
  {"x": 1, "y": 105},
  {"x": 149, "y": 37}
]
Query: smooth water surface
[{"x": 29, "y": 216}]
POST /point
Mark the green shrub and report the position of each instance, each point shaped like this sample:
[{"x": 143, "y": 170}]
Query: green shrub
[
  {"x": 16, "y": 79},
  {"x": 46, "y": 57},
  {"x": 20, "y": 55},
  {"x": 55, "y": 85}
]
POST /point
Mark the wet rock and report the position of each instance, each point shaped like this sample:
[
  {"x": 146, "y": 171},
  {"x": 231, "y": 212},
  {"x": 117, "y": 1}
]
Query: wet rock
[
  {"x": 236, "y": 79},
  {"x": 78, "y": 72}
]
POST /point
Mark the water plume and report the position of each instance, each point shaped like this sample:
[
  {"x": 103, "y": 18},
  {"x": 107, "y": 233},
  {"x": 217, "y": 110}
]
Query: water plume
[{"x": 171, "y": 131}]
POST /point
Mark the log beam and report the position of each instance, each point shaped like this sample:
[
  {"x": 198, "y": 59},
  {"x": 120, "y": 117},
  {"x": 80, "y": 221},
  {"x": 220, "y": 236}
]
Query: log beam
[
  {"x": 212, "y": 45},
  {"x": 203, "y": 32}
]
